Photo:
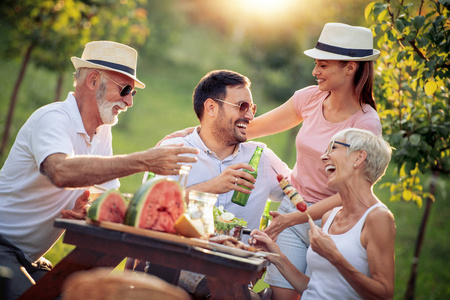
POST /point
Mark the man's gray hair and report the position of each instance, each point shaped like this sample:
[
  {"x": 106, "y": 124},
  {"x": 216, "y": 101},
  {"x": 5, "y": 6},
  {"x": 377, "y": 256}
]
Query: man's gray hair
[
  {"x": 80, "y": 75},
  {"x": 377, "y": 149}
]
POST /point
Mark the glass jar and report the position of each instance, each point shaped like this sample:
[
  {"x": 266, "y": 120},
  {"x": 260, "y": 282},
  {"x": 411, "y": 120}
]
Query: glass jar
[{"x": 201, "y": 207}]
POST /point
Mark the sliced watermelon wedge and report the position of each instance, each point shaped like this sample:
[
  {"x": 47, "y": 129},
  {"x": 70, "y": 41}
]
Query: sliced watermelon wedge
[
  {"x": 156, "y": 205},
  {"x": 109, "y": 206}
]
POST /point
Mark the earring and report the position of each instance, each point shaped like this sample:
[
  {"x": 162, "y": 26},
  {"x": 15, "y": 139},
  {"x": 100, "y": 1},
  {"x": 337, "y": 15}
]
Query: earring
[{"x": 354, "y": 165}]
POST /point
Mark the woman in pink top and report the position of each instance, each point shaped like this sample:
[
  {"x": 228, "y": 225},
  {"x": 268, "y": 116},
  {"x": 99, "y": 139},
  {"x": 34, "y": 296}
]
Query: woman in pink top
[
  {"x": 343, "y": 98},
  {"x": 352, "y": 257}
]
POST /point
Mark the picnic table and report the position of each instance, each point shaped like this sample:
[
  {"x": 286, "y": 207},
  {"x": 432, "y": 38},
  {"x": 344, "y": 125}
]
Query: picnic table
[{"x": 229, "y": 270}]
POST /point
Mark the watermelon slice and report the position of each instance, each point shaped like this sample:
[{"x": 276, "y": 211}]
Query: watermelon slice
[
  {"x": 156, "y": 205},
  {"x": 109, "y": 206}
]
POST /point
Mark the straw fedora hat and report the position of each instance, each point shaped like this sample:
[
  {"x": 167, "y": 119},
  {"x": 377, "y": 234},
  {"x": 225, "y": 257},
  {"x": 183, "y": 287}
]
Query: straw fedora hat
[
  {"x": 344, "y": 42},
  {"x": 111, "y": 56}
]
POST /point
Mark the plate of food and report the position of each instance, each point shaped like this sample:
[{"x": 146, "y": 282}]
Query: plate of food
[{"x": 225, "y": 222}]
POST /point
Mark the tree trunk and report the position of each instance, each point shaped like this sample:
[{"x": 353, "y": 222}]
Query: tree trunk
[
  {"x": 12, "y": 105},
  {"x": 59, "y": 84},
  {"x": 409, "y": 295}
]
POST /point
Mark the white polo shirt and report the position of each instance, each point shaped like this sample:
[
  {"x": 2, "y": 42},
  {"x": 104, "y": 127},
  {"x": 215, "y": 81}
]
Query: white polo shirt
[
  {"x": 209, "y": 166},
  {"x": 29, "y": 202}
]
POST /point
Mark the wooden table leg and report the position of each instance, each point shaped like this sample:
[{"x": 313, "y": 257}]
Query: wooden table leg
[
  {"x": 168, "y": 274},
  {"x": 221, "y": 289},
  {"x": 77, "y": 260}
]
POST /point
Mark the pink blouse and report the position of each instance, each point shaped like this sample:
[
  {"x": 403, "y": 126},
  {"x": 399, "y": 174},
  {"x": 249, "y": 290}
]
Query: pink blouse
[{"x": 308, "y": 174}]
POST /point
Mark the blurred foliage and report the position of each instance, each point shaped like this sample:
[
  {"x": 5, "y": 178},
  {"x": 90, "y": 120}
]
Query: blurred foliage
[
  {"x": 412, "y": 87},
  {"x": 268, "y": 36},
  {"x": 57, "y": 27}
]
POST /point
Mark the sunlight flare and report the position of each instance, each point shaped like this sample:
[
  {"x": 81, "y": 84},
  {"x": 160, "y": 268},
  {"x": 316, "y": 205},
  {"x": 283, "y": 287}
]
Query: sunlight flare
[{"x": 267, "y": 7}]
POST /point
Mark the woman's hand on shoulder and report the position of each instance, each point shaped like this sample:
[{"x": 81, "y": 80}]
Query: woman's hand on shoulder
[{"x": 179, "y": 133}]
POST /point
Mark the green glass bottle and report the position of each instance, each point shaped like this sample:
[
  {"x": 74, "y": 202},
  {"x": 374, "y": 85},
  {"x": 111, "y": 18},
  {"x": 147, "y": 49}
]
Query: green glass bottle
[
  {"x": 242, "y": 198},
  {"x": 265, "y": 218}
]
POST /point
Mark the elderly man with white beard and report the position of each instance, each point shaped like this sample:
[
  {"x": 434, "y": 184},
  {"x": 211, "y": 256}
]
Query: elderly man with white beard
[{"x": 65, "y": 148}]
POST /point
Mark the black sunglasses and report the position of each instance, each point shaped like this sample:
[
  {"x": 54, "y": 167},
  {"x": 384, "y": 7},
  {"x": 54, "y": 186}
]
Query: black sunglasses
[
  {"x": 125, "y": 89},
  {"x": 243, "y": 106}
]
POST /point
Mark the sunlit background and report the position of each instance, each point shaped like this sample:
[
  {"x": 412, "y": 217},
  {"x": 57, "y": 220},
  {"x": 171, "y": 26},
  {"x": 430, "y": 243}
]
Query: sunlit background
[{"x": 179, "y": 41}]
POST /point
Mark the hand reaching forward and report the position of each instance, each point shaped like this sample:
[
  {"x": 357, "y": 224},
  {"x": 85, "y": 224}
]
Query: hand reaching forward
[
  {"x": 263, "y": 242},
  {"x": 276, "y": 226},
  {"x": 79, "y": 210},
  {"x": 167, "y": 160}
]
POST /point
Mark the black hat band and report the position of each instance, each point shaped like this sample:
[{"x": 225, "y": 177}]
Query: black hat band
[
  {"x": 344, "y": 51},
  {"x": 113, "y": 66}
]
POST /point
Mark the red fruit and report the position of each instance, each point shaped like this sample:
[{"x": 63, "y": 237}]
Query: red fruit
[
  {"x": 279, "y": 177},
  {"x": 156, "y": 205},
  {"x": 301, "y": 206},
  {"x": 110, "y": 206}
]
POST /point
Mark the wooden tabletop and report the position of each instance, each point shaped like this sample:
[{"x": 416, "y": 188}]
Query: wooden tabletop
[{"x": 228, "y": 270}]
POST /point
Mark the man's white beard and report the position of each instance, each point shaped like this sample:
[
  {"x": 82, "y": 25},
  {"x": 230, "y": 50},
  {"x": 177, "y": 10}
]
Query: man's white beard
[{"x": 105, "y": 108}]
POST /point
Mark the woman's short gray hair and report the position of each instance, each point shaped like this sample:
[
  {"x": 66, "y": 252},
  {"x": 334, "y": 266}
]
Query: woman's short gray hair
[{"x": 377, "y": 149}]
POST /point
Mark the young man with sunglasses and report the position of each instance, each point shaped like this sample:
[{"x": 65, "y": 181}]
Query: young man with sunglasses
[
  {"x": 223, "y": 104},
  {"x": 62, "y": 149}
]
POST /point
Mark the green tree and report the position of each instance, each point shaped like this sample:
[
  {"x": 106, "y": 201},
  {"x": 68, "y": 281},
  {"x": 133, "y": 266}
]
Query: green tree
[
  {"x": 412, "y": 87},
  {"x": 46, "y": 31}
]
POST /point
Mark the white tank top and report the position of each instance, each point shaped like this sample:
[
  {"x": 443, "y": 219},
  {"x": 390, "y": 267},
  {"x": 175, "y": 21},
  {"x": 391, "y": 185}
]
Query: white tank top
[{"x": 326, "y": 282}]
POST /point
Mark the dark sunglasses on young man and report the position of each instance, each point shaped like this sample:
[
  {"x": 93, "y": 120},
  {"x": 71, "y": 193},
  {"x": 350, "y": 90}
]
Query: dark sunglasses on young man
[
  {"x": 125, "y": 89},
  {"x": 243, "y": 106}
]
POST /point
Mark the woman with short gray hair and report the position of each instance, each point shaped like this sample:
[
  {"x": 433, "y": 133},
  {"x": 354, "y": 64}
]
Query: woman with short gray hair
[
  {"x": 352, "y": 256},
  {"x": 378, "y": 151}
]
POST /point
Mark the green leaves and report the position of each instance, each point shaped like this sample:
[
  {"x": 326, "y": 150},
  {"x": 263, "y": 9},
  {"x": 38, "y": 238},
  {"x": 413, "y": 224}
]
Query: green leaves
[
  {"x": 375, "y": 10},
  {"x": 60, "y": 27},
  {"x": 430, "y": 87},
  {"x": 418, "y": 22},
  {"x": 411, "y": 87}
]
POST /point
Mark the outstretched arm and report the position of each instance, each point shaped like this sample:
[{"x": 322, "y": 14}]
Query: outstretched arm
[
  {"x": 296, "y": 278},
  {"x": 282, "y": 221},
  {"x": 277, "y": 120},
  {"x": 81, "y": 171}
]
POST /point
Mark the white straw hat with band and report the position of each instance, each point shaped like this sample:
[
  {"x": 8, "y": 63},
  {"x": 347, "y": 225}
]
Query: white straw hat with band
[
  {"x": 344, "y": 42},
  {"x": 111, "y": 56}
]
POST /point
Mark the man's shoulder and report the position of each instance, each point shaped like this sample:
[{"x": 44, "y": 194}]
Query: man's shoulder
[
  {"x": 49, "y": 113},
  {"x": 253, "y": 144},
  {"x": 186, "y": 140}
]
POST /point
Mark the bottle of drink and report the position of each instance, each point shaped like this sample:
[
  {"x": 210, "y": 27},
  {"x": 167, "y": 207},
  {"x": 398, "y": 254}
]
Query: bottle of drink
[
  {"x": 242, "y": 198},
  {"x": 182, "y": 180},
  {"x": 147, "y": 176},
  {"x": 265, "y": 218}
]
